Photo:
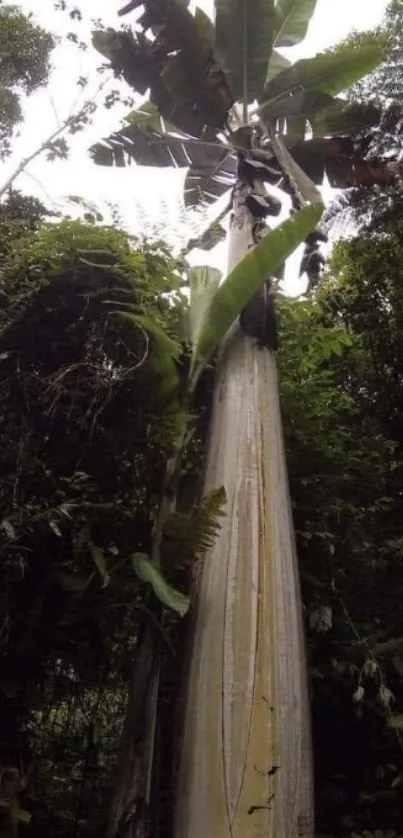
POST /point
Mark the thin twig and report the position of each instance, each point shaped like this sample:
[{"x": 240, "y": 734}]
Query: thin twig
[{"x": 45, "y": 144}]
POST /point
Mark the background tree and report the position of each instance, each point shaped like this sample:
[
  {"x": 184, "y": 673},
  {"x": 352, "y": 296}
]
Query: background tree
[{"x": 24, "y": 66}]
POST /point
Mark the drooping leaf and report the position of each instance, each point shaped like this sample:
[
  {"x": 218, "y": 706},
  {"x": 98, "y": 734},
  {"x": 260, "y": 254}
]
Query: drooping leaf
[
  {"x": 300, "y": 104},
  {"x": 169, "y": 596},
  {"x": 214, "y": 234},
  {"x": 210, "y": 176},
  {"x": 336, "y": 158},
  {"x": 327, "y": 72},
  {"x": 149, "y": 117},
  {"x": 248, "y": 277},
  {"x": 296, "y": 128},
  {"x": 204, "y": 282},
  {"x": 175, "y": 67},
  {"x": 129, "y": 7},
  {"x": 206, "y": 91},
  {"x": 343, "y": 174},
  {"x": 313, "y": 155},
  {"x": 129, "y": 56},
  {"x": 8, "y": 528},
  {"x": 167, "y": 344},
  {"x": 98, "y": 556},
  {"x": 344, "y": 118},
  {"x": 291, "y": 21},
  {"x": 244, "y": 43},
  {"x": 149, "y": 147},
  {"x": 20, "y": 815}
]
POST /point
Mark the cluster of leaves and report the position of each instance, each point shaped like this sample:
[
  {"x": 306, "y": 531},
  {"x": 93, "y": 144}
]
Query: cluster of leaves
[
  {"x": 19, "y": 216},
  {"x": 24, "y": 66},
  {"x": 342, "y": 394},
  {"x": 197, "y": 72}
]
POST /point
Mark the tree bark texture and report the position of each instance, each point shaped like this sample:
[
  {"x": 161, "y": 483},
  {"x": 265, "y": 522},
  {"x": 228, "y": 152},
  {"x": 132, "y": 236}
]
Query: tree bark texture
[{"x": 246, "y": 768}]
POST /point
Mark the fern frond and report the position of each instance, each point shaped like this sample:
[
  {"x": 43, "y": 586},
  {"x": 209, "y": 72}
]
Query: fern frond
[{"x": 187, "y": 535}]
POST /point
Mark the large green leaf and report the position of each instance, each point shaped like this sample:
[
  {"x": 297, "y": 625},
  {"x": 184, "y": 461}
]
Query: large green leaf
[
  {"x": 300, "y": 104},
  {"x": 344, "y": 167},
  {"x": 209, "y": 238},
  {"x": 327, "y": 72},
  {"x": 277, "y": 64},
  {"x": 169, "y": 596},
  {"x": 203, "y": 282},
  {"x": 291, "y": 21},
  {"x": 244, "y": 43},
  {"x": 248, "y": 277}
]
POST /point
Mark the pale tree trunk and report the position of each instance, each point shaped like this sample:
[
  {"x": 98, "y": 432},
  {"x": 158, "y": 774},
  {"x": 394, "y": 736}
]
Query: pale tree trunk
[{"x": 246, "y": 768}]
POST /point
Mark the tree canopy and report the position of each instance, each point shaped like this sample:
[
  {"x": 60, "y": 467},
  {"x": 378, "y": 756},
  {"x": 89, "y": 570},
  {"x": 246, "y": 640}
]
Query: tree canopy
[{"x": 24, "y": 66}]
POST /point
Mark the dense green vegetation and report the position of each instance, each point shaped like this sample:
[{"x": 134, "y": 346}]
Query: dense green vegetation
[
  {"x": 83, "y": 453},
  {"x": 341, "y": 398}
]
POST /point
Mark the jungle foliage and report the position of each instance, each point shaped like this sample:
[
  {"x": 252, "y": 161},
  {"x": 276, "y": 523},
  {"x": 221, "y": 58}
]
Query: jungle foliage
[
  {"x": 83, "y": 454},
  {"x": 342, "y": 401},
  {"x": 84, "y": 446}
]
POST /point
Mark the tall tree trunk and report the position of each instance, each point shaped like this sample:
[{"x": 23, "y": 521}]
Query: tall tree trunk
[{"x": 245, "y": 763}]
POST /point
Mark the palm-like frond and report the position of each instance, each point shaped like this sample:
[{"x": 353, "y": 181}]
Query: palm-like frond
[
  {"x": 291, "y": 21},
  {"x": 147, "y": 146},
  {"x": 206, "y": 181}
]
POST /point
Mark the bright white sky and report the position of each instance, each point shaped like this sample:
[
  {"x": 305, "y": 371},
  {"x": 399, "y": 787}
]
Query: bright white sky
[{"x": 144, "y": 197}]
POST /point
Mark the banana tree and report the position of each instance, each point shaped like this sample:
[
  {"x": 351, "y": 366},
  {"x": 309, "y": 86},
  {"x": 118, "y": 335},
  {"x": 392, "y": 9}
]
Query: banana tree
[{"x": 227, "y": 105}]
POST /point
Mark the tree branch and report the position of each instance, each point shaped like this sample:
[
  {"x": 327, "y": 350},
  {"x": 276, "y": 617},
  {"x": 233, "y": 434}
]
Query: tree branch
[{"x": 73, "y": 117}]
